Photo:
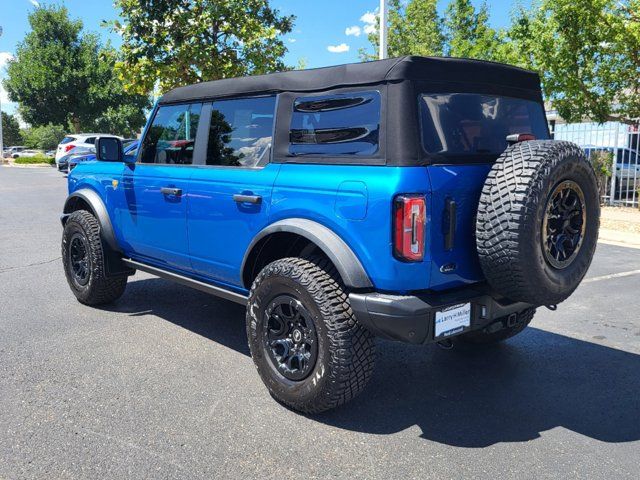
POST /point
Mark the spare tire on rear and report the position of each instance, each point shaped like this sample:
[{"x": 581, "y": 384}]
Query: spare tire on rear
[{"x": 538, "y": 221}]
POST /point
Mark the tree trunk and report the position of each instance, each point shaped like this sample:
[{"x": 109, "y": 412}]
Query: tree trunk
[{"x": 75, "y": 123}]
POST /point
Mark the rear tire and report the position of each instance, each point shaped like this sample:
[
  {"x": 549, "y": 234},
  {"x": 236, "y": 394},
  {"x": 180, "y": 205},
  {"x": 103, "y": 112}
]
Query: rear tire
[
  {"x": 306, "y": 344},
  {"x": 84, "y": 262},
  {"x": 499, "y": 330}
]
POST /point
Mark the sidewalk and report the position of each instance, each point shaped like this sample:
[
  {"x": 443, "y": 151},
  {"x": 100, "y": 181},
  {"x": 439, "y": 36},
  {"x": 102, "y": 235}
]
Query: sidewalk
[{"x": 621, "y": 226}]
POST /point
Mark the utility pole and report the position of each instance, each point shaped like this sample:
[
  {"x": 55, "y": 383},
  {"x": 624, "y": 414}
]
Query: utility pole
[{"x": 383, "y": 29}]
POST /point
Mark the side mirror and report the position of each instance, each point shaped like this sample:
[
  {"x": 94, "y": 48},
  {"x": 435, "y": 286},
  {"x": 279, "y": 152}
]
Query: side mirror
[{"x": 109, "y": 149}]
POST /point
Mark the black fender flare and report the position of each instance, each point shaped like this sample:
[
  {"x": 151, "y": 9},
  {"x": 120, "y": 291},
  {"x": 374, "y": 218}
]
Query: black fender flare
[
  {"x": 346, "y": 262},
  {"x": 91, "y": 198}
]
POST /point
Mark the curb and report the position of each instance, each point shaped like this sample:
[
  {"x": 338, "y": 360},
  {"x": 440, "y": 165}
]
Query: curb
[{"x": 621, "y": 239}]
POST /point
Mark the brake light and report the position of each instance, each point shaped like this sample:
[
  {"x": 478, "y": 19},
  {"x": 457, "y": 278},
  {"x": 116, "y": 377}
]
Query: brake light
[
  {"x": 68, "y": 147},
  {"x": 409, "y": 213},
  {"x": 520, "y": 137}
]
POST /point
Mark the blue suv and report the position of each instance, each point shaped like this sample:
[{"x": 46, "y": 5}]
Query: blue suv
[{"x": 415, "y": 199}]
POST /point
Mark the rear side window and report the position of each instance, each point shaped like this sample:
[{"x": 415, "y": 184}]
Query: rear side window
[
  {"x": 240, "y": 132},
  {"x": 172, "y": 135},
  {"x": 340, "y": 124},
  {"x": 67, "y": 140},
  {"x": 469, "y": 124},
  {"x": 90, "y": 140}
]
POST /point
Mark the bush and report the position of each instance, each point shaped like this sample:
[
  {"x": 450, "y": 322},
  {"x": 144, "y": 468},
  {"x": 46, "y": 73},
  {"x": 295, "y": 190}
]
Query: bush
[
  {"x": 602, "y": 161},
  {"x": 46, "y": 137},
  {"x": 37, "y": 159}
]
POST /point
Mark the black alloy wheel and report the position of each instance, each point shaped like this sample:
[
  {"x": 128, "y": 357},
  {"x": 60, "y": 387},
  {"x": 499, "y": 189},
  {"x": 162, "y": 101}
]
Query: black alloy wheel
[
  {"x": 79, "y": 262},
  {"x": 564, "y": 224},
  {"x": 290, "y": 337}
]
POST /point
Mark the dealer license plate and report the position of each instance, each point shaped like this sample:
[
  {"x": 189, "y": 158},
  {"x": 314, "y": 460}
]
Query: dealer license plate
[{"x": 453, "y": 319}]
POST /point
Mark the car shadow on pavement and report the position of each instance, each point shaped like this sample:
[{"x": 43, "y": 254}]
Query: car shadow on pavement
[
  {"x": 466, "y": 397},
  {"x": 505, "y": 393},
  {"x": 216, "y": 319}
]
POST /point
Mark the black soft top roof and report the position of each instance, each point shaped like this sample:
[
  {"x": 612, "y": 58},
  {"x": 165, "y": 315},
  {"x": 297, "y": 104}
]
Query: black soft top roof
[{"x": 426, "y": 70}]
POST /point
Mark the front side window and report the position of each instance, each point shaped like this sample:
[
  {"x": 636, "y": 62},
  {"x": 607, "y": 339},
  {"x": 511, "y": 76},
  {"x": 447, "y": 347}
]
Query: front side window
[
  {"x": 240, "y": 132},
  {"x": 470, "y": 124},
  {"x": 172, "y": 135},
  {"x": 339, "y": 124}
]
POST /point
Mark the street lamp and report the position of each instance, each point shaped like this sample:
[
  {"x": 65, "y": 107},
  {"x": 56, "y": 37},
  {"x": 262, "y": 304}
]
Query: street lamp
[
  {"x": 383, "y": 29},
  {"x": 1, "y": 144}
]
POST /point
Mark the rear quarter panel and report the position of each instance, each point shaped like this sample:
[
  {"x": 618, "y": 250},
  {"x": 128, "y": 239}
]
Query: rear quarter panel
[{"x": 356, "y": 203}]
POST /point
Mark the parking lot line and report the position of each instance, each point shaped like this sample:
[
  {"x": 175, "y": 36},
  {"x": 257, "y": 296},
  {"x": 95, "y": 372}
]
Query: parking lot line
[{"x": 613, "y": 275}]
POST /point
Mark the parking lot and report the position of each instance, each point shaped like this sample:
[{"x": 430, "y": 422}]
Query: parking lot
[{"x": 160, "y": 384}]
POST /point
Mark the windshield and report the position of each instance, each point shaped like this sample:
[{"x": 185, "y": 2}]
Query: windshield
[{"x": 470, "y": 124}]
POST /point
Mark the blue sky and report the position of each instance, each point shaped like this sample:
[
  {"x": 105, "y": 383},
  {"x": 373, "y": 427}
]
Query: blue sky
[{"x": 320, "y": 34}]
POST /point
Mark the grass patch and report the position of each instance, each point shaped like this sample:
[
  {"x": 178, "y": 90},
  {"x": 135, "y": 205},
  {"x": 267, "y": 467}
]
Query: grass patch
[{"x": 35, "y": 160}]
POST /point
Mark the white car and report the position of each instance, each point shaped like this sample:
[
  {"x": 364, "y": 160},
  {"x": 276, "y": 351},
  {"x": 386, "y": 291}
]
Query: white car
[
  {"x": 11, "y": 152},
  {"x": 78, "y": 140},
  {"x": 27, "y": 153}
]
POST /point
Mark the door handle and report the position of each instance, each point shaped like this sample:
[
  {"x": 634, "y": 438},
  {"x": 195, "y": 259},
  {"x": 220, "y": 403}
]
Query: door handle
[
  {"x": 171, "y": 191},
  {"x": 247, "y": 198}
]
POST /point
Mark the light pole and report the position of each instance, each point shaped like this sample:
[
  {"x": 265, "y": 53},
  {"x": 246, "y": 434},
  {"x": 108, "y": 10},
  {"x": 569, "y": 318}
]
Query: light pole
[
  {"x": 1, "y": 144},
  {"x": 383, "y": 29}
]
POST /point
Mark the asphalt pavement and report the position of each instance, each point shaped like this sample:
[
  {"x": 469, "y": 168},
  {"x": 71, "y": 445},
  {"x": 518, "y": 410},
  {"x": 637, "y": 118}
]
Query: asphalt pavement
[{"x": 160, "y": 384}]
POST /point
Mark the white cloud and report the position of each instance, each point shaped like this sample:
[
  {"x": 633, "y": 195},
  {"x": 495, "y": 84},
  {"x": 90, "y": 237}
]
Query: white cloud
[
  {"x": 343, "y": 47},
  {"x": 370, "y": 20},
  {"x": 34, "y": 3},
  {"x": 354, "y": 30},
  {"x": 292, "y": 40}
]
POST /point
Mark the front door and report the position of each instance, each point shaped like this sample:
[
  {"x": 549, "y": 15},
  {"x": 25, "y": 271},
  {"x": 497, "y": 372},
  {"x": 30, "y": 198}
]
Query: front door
[
  {"x": 230, "y": 196},
  {"x": 153, "y": 214}
]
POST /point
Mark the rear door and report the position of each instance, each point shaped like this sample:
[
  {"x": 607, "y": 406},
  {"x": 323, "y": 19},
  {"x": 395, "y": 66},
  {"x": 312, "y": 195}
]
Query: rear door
[
  {"x": 153, "y": 209},
  {"x": 231, "y": 192},
  {"x": 463, "y": 134}
]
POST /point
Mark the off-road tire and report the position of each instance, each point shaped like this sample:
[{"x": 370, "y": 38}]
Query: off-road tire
[
  {"x": 510, "y": 218},
  {"x": 345, "y": 354},
  {"x": 99, "y": 289},
  {"x": 499, "y": 330}
]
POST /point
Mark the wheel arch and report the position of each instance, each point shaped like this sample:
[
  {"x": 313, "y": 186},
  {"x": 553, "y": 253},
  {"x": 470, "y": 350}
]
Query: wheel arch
[
  {"x": 290, "y": 231},
  {"x": 87, "y": 199}
]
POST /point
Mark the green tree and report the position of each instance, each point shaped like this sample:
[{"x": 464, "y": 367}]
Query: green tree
[
  {"x": 468, "y": 34},
  {"x": 173, "y": 42},
  {"x": 44, "y": 137},
  {"x": 414, "y": 29},
  {"x": 62, "y": 77},
  {"x": 588, "y": 55},
  {"x": 111, "y": 108},
  {"x": 10, "y": 130}
]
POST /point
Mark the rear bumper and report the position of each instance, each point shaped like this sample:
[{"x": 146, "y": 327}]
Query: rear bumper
[{"x": 411, "y": 318}]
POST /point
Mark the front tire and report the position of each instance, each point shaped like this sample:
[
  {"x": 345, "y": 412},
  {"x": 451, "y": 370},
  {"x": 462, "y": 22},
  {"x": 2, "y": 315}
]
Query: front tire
[
  {"x": 84, "y": 262},
  {"x": 306, "y": 344}
]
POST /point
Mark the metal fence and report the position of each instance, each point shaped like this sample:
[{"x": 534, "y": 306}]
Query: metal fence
[{"x": 614, "y": 150}]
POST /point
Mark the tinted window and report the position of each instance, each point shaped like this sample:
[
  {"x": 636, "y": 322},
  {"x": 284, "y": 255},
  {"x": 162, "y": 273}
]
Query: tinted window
[
  {"x": 340, "y": 124},
  {"x": 67, "y": 140},
  {"x": 90, "y": 140},
  {"x": 172, "y": 135},
  {"x": 240, "y": 132},
  {"x": 474, "y": 124}
]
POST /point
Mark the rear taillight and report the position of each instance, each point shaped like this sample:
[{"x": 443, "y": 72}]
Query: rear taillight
[
  {"x": 68, "y": 147},
  {"x": 409, "y": 218},
  {"x": 520, "y": 137}
]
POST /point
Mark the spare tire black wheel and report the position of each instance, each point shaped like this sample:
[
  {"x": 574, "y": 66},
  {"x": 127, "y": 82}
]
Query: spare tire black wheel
[{"x": 538, "y": 221}]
